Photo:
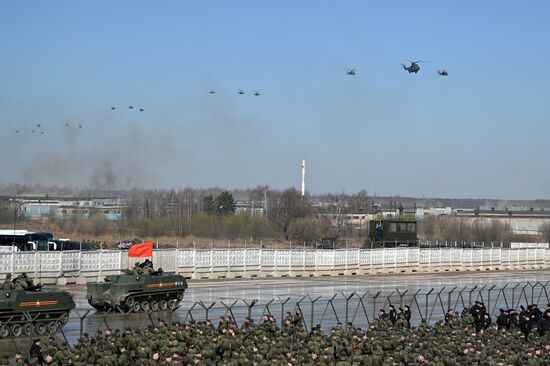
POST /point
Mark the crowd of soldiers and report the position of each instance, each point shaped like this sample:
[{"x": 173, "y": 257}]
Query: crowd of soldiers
[
  {"x": 460, "y": 339},
  {"x": 21, "y": 282},
  {"x": 526, "y": 320}
]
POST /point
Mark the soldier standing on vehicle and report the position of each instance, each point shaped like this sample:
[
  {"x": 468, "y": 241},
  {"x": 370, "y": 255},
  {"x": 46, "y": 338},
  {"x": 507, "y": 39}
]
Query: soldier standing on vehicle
[
  {"x": 137, "y": 269},
  {"x": 8, "y": 283}
]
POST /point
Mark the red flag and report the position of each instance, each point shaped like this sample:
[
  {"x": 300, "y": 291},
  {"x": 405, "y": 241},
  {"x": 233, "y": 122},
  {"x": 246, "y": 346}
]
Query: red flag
[{"x": 144, "y": 249}]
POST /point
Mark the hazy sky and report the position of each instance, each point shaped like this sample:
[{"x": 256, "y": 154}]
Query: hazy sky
[{"x": 482, "y": 132}]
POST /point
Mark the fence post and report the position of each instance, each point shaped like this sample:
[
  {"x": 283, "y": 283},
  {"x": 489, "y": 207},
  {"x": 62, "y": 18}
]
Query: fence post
[
  {"x": 245, "y": 257},
  {"x": 100, "y": 265},
  {"x": 228, "y": 259},
  {"x": 315, "y": 260},
  {"x": 12, "y": 264},
  {"x": 212, "y": 261},
  {"x": 60, "y": 264},
  {"x": 80, "y": 263},
  {"x": 35, "y": 265},
  {"x": 333, "y": 259},
  {"x": 260, "y": 261},
  {"x": 304, "y": 262}
]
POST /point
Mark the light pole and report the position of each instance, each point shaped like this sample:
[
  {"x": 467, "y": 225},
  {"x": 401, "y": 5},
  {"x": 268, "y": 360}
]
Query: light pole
[
  {"x": 360, "y": 227},
  {"x": 213, "y": 216},
  {"x": 15, "y": 218}
]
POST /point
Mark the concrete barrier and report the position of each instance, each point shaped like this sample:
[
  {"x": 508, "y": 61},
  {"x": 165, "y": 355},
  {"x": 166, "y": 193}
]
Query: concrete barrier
[{"x": 90, "y": 266}]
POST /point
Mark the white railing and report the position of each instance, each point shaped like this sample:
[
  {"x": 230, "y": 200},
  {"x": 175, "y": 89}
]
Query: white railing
[{"x": 275, "y": 262}]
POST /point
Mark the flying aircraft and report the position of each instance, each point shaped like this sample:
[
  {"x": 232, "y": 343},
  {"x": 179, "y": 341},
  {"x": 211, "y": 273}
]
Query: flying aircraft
[
  {"x": 66, "y": 125},
  {"x": 351, "y": 72},
  {"x": 33, "y": 131},
  {"x": 257, "y": 93},
  {"x": 38, "y": 125},
  {"x": 131, "y": 107},
  {"x": 241, "y": 92},
  {"x": 16, "y": 131},
  {"x": 211, "y": 91},
  {"x": 113, "y": 108},
  {"x": 141, "y": 109},
  {"x": 413, "y": 67},
  {"x": 443, "y": 72},
  {"x": 79, "y": 126}
]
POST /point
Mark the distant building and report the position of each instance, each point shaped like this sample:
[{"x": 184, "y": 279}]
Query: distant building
[
  {"x": 66, "y": 207},
  {"x": 249, "y": 207}
]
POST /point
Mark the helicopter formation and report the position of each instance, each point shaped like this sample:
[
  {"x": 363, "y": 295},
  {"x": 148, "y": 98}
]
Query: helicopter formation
[
  {"x": 240, "y": 92},
  {"x": 38, "y": 128},
  {"x": 412, "y": 68},
  {"x": 129, "y": 107}
]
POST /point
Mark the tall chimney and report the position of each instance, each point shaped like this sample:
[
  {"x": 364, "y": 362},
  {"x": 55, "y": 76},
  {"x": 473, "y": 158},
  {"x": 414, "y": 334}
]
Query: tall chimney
[{"x": 303, "y": 178}]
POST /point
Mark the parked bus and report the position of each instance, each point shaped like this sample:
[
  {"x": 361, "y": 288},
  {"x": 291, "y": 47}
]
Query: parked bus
[{"x": 23, "y": 240}]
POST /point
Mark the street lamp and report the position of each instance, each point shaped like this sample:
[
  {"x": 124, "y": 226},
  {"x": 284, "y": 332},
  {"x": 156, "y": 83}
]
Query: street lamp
[
  {"x": 213, "y": 216},
  {"x": 360, "y": 227},
  {"x": 15, "y": 218}
]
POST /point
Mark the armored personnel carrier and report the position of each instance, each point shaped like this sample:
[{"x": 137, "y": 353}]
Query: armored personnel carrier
[
  {"x": 138, "y": 292},
  {"x": 34, "y": 310}
]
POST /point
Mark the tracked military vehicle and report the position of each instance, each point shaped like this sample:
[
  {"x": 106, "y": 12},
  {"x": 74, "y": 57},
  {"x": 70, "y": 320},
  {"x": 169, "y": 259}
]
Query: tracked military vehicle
[
  {"x": 34, "y": 310},
  {"x": 137, "y": 292}
]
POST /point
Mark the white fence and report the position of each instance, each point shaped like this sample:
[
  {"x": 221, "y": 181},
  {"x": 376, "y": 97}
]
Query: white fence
[{"x": 218, "y": 263}]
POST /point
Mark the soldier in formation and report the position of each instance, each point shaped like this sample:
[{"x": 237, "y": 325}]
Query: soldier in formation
[{"x": 451, "y": 342}]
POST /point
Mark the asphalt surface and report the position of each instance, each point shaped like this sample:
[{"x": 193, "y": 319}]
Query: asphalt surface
[{"x": 282, "y": 294}]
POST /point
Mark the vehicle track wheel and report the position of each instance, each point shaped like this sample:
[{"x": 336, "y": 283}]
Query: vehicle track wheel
[
  {"x": 136, "y": 308},
  {"x": 53, "y": 327},
  {"x": 130, "y": 302},
  {"x": 63, "y": 319},
  {"x": 40, "y": 328},
  {"x": 179, "y": 295},
  {"x": 163, "y": 305},
  {"x": 4, "y": 331},
  {"x": 16, "y": 330},
  {"x": 154, "y": 305},
  {"x": 145, "y": 306},
  {"x": 172, "y": 304},
  {"x": 27, "y": 329}
]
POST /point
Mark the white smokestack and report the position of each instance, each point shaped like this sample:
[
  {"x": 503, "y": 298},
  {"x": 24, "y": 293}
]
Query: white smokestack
[{"x": 303, "y": 178}]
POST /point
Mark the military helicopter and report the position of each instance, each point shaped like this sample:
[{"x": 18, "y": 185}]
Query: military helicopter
[
  {"x": 211, "y": 91},
  {"x": 443, "y": 72},
  {"x": 113, "y": 108},
  {"x": 241, "y": 92},
  {"x": 413, "y": 67},
  {"x": 131, "y": 107},
  {"x": 257, "y": 93},
  {"x": 141, "y": 109},
  {"x": 351, "y": 72},
  {"x": 79, "y": 126}
]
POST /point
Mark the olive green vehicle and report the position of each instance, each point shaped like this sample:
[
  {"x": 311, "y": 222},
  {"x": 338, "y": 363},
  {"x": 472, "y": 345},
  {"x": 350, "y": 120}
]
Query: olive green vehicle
[
  {"x": 401, "y": 230},
  {"x": 137, "y": 292},
  {"x": 35, "y": 311}
]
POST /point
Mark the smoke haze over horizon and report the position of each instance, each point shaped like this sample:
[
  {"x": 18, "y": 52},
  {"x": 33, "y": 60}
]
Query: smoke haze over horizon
[{"x": 481, "y": 132}]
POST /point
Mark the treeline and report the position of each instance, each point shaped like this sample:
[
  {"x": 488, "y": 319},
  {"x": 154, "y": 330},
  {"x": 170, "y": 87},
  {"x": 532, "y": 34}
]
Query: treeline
[
  {"x": 207, "y": 213},
  {"x": 269, "y": 214},
  {"x": 456, "y": 229}
]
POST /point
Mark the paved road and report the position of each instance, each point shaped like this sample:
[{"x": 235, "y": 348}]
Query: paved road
[{"x": 325, "y": 312}]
